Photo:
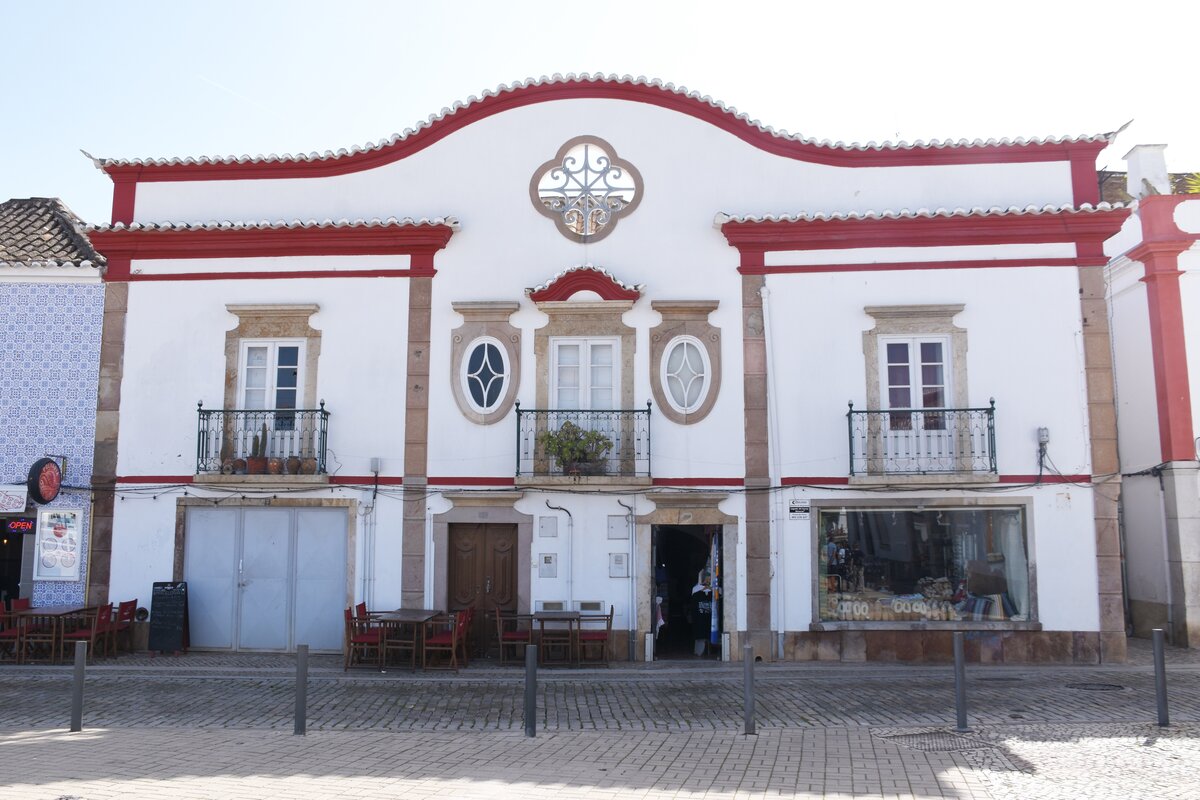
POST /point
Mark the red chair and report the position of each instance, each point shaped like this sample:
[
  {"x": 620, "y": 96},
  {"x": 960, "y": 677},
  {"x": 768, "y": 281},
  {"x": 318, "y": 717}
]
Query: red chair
[
  {"x": 21, "y": 603},
  {"x": 594, "y": 638},
  {"x": 513, "y": 632},
  {"x": 123, "y": 624},
  {"x": 360, "y": 611},
  {"x": 444, "y": 635},
  {"x": 93, "y": 627},
  {"x": 9, "y": 635},
  {"x": 37, "y": 638},
  {"x": 363, "y": 641}
]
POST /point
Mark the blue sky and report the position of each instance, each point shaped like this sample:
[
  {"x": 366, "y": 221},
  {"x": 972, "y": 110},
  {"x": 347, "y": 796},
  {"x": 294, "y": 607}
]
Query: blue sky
[{"x": 154, "y": 79}]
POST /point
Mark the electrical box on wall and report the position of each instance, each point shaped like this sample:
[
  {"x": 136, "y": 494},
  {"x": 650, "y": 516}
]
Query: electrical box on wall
[
  {"x": 547, "y": 526},
  {"x": 618, "y": 565},
  {"x": 618, "y": 527},
  {"x": 548, "y": 565}
]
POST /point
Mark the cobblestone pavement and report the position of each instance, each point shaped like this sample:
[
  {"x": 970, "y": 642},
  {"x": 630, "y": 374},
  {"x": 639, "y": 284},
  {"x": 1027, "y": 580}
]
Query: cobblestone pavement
[{"x": 217, "y": 726}]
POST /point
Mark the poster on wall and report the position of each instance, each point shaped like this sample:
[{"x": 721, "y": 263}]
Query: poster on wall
[{"x": 59, "y": 534}]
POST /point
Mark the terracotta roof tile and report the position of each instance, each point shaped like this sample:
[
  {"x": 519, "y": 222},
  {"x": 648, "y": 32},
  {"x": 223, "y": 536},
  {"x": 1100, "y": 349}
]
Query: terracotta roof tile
[{"x": 43, "y": 232}]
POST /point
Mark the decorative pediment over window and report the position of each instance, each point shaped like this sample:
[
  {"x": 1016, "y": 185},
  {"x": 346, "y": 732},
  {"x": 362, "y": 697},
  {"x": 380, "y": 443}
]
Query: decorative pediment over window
[
  {"x": 584, "y": 278},
  {"x": 585, "y": 189}
]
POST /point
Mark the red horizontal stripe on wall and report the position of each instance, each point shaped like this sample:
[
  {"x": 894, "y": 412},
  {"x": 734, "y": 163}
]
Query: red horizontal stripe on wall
[
  {"x": 699, "y": 481},
  {"x": 806, "y": 481},
  {"x": 1046, "y": 479},
  {"x": 290, "y": 275},
  {"x": 815, "y": 481},
  {"x": 890, "y": 266},
  {"x": 470, "y": 481},
  {"x": 166, "y": 479},
  {"x": 366, "y": 480}
]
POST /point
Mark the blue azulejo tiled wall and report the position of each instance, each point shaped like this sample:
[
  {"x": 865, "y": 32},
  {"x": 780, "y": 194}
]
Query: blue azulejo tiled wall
[{"x": 49, "y": 364}]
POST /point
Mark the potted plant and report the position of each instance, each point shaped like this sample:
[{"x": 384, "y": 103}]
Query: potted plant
[
  {"x": 256, "y": 464},
  {"x": 577, "y": 450}
]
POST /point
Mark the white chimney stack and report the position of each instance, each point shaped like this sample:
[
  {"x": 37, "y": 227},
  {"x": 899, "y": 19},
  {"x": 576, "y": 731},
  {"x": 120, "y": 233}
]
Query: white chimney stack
[{"x": 1147, "y": 165}]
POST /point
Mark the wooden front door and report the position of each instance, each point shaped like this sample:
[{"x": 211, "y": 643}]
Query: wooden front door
[{"x": 483, "y": 573}]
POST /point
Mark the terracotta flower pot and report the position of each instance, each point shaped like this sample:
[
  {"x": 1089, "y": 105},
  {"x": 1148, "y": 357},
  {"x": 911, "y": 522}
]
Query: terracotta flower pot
[
  {"x": 256, "y": 465},
  {"x": 292, "y": 463},
  {"x": 274, "y": 466}
]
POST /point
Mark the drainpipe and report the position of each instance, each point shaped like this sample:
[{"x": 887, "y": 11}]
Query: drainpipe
[
  {"x": 570, "y": 555},
  {"x": 776, "y": 517},
  {"x": 1162, "y": 508},
  {"x": 632, "y": 574}
]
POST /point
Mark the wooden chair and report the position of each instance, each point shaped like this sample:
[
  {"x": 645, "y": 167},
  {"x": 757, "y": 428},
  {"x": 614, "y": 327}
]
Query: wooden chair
[
  {"x": 9, "y": 635},
  {"x": 360, "y": 611},
  {"x": 594, "y": 638},
  {"x": 464, "y": 636},
  {"x": 444, "y": 635},
  {"x": 122, "y": 626},
  {"x": 515, "y": 632},
  {"x": 21, "y": 603},
  {"x": 37, "y": 638},
  {"x": 400, "y": 637},
  {"x": 93, "y": 627},
  {"x": 364, "y": 642},
  {"x": 557, "y": 641}
]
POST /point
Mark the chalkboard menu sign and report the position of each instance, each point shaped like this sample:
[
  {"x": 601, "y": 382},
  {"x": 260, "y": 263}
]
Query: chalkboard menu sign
[{"x": 169, "y": 617}]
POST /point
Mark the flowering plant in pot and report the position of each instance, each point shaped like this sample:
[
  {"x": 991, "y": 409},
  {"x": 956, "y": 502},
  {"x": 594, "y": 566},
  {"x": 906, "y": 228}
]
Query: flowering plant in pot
[{"x": 577, "y": 450}]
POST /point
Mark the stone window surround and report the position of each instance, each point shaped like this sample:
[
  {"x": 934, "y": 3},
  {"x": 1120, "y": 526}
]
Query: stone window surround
[
  {"x": 488, "y": 319},
  {"x": 1026, "y": 503},
  {"x": 273, "y": 321},
  {"x": 918, "y": 320},
  {"x": 685, "y": 318}
]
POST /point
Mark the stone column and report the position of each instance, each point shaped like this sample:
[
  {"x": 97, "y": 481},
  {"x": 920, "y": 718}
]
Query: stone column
[
  {"x": 758, "y": 471},
  {"x": 104, "y": 456},
  {"x": 416, "y": 443}
]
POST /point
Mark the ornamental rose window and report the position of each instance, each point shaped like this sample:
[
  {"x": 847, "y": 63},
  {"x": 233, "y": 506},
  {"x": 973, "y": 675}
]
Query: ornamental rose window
[
  {"x": 585, "y": 189},
  {"x": 685, "y": 373},
  {"x": 485, "y": 372}
]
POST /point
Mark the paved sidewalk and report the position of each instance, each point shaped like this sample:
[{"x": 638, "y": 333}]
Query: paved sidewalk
[{"x": 219, "y": 726}]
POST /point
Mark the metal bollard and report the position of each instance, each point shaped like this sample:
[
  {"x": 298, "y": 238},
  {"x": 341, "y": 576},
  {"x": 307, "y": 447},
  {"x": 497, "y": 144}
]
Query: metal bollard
[
  {"x": 748, "y": 688},
  {"x": 77, "y": 688},
  {"x": 960, "y": 683},
  {"x": 1160, "y": 677},
  {"x": 301, "y": 690},
  {"x": 531, "y": 690}
]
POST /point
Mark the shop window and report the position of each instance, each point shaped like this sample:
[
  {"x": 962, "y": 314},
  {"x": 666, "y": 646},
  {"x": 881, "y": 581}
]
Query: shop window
[{"x": 923, "y": 564}]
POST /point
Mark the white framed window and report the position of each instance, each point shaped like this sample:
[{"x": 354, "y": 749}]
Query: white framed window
[
  {"x": 485, "y": 374},
  {"x": 915, "y": 374},
  {"x": 583, "y": 374},
  {"x": 685, "y": 373},
  {"x": 271, "y": 374}
]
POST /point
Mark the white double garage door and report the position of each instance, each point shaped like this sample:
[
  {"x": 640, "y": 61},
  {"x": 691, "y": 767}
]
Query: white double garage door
[{"x": 266, "y": 579}]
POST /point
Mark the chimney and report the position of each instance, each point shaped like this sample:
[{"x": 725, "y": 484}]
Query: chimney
[{"x": 1147, "y": 165}]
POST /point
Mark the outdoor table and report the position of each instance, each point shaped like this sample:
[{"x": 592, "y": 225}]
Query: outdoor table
[
  {"x": 57, "y": 613},
  {"x": 407, "y": 616},
  {"x": 556, "y": 638}
]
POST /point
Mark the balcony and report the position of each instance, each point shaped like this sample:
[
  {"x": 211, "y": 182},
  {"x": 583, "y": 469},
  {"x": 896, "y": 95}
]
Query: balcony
[
  {"x": 251, "y": 442},
  {"x": 915, "y": 442},
  {"x": 571, "y": 445}
]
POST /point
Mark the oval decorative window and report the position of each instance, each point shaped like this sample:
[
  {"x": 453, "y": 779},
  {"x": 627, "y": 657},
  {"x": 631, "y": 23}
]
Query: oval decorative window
[
  {"x": 485, "y": 374},
  {"x": 685, "y": 374}
]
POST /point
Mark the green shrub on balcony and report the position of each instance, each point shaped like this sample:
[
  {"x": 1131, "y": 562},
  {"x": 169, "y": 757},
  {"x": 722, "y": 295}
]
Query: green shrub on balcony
[{"x": 577, "y": 450}]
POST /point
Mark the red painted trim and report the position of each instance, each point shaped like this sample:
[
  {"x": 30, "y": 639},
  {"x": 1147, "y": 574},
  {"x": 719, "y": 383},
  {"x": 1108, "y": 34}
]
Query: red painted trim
[
  {"x": 806, "y": 481},
  {"x": 124, "y": 200},
  {"x": 266, "y": 276},
  {"x": 470, "y": 481},
  {"x": 609, "y": 90},
  {"x": 699, "y": 481},
  {"x": 842, "y": 234},
  {"x": 582, "y": 280},
  {"x": 1085, "y": 182},
  {"x": 366, "y": 480},
  {"x": 892, "y": 266},
  {"x": 163, "y": 479},
  {"x": 116, "y": 270},
  {"x": 415, "y": 240}
]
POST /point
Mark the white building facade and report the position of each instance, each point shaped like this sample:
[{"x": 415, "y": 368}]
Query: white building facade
[
  {"x": 587, "y": 342},
  {"x": 1153, "y": 295}
]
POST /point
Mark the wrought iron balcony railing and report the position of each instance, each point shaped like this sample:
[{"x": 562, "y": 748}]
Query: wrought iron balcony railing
[
  {"x": 278, "y": 442},
  {"x": 572, "y": 443},
  {"x": 910, "y": 441}
]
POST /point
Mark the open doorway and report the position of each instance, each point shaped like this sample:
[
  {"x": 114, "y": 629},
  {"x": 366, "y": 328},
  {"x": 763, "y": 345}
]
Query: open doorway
[
  {"x": 12, "y": 539},
  {"x": 686, "y": 591}
]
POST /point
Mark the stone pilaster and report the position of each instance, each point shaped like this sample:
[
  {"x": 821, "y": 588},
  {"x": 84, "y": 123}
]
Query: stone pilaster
[
  {"x": 758, "y": 471},
  {"x": 416, "y": 443}
]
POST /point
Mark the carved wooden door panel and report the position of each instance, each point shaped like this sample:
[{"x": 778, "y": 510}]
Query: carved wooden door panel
[{"x": 483, "y": 573}]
